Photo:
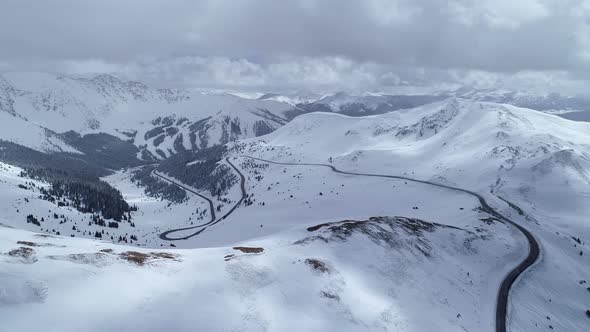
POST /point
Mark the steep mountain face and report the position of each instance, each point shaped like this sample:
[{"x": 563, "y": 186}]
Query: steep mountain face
[
  {"x": 220, "y": 119},
  {"x": 158, "y": 121}
]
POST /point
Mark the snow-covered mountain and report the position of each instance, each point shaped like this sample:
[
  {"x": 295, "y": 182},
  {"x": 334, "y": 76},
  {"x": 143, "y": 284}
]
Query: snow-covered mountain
[
  {"x": 161, "y": 122},
  {"x": 537, "y": 162},
  {"x": 363, "y": 104},
  {"x": 575, "y": 108},
  {"x": 158, "y": 121},
  {"x": 362, "y": 252},
  {"x": 292, "y": 98},
  {"x": 507, "y": 137},
  {"x": 569, "y": 107},
  {"x": 442, "y": 253}
]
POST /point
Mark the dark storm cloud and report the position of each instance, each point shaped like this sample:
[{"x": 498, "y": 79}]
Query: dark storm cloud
[{"x": 267, "y": 42}]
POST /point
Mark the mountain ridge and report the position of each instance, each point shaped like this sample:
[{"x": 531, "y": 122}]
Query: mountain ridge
[{"x": 128, "y": 110}]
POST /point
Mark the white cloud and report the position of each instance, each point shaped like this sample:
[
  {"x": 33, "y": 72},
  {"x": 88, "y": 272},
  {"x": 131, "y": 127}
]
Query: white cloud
[
  {"x": 506, "y": 14},
  {"x": 328, "y": 44}
]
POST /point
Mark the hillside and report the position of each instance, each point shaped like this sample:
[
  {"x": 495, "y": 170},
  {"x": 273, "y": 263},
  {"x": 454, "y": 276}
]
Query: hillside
[
  {"x": 451, "y": 137},
  {"x": 531, "y": 165},
  {"x": 381, "y": 274},
  {"x": 158, "y": 121}
]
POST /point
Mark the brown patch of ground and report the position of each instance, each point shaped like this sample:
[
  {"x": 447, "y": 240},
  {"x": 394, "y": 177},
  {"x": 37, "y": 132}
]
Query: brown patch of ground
[
  {"x": 27, "y": 243},
  {"x": 141, "y": 259},
  {"x": 135, "y": 257},
  {"x": 164, "y": 255},
  {"x": 318, "y": 265},
  {"x": 98, "y": 259},
  {"x": 27, "y": 255},
  {"x": 35, "y": 244},
  {"x": 250, "y": 250},
  {"x": 44, "y": 235},
  {"x": 23, "y": 252}
]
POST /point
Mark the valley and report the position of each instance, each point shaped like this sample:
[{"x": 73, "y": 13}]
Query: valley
[
  {"x": 288, "y": 166},
  {"x": 472, "y": 211}
]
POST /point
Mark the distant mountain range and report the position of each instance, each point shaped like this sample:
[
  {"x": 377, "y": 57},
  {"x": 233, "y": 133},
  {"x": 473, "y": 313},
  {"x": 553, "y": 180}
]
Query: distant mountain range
[
  {"x": 570, "y": 107},
  {"x": 37, "y": 110},
  {"x": 357, "y": 205}
]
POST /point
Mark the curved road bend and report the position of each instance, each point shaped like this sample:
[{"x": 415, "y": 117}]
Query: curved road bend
[
  {"x": 509, "y": 279},
  {"x": 166, "y": 235}
]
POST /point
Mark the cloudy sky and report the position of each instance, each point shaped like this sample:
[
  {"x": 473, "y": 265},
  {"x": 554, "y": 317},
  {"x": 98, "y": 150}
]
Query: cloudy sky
[{"x": 305, "y": 44}]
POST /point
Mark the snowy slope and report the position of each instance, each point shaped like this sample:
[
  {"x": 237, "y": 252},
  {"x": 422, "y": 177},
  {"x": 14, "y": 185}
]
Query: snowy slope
[
  {"x": 536, "y": 161},
  {"x": 21, "y": 197},
  {"x": 29, "y": 134},
  {"x": 444, "y": 139},
  {"x": 383, "y": 274},
  {"x": 130, "y": 110}
]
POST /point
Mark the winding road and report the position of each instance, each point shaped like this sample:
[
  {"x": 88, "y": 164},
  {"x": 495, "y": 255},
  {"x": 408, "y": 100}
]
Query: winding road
[
  {"x": 166, "y": 235},
  {"x": 509, "y": 279}
]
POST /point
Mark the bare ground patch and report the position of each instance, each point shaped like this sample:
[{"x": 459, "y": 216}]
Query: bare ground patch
[
  {"x": 45, "y": 236},
  {"x": 97, "y": 259},
  {"x": 330, "y": 295},
  {"x": 318, "y": 265},
  {"x": 26, "y": 255},
  {"x": 140, "y": 258},
  {"x": 250, "y": 250},
  {"x": 35, "y": 244},
  {"x": 27, "y": 243},
  {"x": 392, "y": 232},
  {"x": 107, "y": 257}
]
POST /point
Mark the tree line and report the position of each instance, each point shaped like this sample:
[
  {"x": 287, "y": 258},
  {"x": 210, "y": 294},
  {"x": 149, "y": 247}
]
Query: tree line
[
  {"x": 157, "y": 188},
  {"x": 85, "y": 194},
  {"x": 201, "y": 169}
]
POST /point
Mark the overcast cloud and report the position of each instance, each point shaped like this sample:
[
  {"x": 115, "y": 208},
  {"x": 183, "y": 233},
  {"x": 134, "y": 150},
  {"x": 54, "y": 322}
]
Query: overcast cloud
[{"x": 308, "y": 44}]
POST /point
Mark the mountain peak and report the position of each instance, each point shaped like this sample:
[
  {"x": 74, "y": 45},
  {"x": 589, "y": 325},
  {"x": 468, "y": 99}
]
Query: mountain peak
[{"x": 107, "y": 78}]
